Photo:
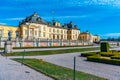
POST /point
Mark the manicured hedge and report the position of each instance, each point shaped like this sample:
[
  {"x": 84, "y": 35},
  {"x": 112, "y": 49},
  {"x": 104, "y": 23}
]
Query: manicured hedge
[
  {"x": 104, "y": 47},
  {"x": 103, "y": 60},
  {"x": 115, "y": 57},
  {"x": 107, "y": 54},
  {"x": 88, "y": 54},
  {"x": 114, "y": 51}
]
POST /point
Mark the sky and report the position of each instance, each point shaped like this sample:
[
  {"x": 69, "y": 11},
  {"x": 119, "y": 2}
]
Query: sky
[{"x": 100, "y": 17}]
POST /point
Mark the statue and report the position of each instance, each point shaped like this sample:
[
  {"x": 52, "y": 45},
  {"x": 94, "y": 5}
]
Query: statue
[
  {"x": 17, "y": 34},
  {"x": 9, "y": 35}
]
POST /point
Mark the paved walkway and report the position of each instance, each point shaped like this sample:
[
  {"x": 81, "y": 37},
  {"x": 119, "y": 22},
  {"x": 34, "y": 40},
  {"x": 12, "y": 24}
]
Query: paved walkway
[
  {"x": 110, "y": 72},
  {"x": 11, "y": 70}
]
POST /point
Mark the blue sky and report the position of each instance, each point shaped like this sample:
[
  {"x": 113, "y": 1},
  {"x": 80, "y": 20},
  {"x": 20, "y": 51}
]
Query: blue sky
[{"x": 97, "y": 16}]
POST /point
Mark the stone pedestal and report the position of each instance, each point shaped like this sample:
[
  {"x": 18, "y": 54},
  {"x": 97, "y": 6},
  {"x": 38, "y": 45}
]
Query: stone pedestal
[
  {"x": 69, "y": 44},
  {"x": 61, "y": 43},
  {"x": 48, "y": 43},
  {"x": 16, "y": 43},
  {"x": 52, "y": 42},
  {"x": 22, "y": 43},
  {"x": 8, "y": 47},
  {"x": 34, "y": 43},
  {"x": 38, "y": 42},
  {"x": 76, "y": 42}
]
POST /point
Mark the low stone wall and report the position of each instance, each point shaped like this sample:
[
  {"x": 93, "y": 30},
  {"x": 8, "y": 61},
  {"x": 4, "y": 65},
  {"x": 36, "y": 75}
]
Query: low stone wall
[{"x": 35, "y": 43}]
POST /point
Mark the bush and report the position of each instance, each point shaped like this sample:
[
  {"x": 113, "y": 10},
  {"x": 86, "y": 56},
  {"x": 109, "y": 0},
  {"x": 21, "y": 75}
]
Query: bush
[
  {"x": 88, "y": 54},
  {"x": 114, "y": 51},
  {"x": 104, "y": 47},
  {"x": 106, "y": 54},
  {"x": 115, "y": 57},
  {"x": 103, "y": 60}
]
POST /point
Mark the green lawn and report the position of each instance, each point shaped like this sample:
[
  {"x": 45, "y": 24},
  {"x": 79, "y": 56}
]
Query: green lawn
[
  {"x": 57, "y": 72},
  {"x": 49, "y": 52}
]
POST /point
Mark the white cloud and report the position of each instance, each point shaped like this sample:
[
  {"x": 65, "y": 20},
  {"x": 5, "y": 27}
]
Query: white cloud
[
  {"x": 3, "y": 23},
  {"x": 94, "y": 2},
  {"x": 59, "y": 17},
  {"x": 13, "y": 19},
  {"x": 111, "y": 35}
]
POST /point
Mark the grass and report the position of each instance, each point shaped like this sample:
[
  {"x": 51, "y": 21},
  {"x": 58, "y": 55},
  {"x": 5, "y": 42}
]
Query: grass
[
  {"x": 49, "y": 52},
  {"x": 57, "y": 72}
]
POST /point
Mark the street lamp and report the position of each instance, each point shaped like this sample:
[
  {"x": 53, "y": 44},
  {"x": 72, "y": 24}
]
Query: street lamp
[
  {"x": 0, "y": 40},
  {"x": 74, "y": 74},
  {"x": 20, "y": 42}
]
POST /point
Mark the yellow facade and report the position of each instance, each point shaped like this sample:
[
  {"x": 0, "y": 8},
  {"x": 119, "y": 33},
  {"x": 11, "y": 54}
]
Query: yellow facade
[
  {"x": 35, "y": 27},
  {"x": 32, "y": 30},
  {"x": 96, "y": 38},
  {"x": 87, "y": 36},
  {"x": 5, "y": 29}
]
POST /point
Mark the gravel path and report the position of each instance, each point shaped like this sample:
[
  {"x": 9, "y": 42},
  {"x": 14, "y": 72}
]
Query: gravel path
[
  {"x": 11, "y": 70},
  {"x": 111, "y": 72}
]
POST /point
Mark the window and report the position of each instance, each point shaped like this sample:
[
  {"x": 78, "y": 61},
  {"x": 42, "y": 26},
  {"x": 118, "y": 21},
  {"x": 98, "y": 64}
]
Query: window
[
  {"x": 39, "y": 28},
  {"x": 49, "y": 35},
  {"x": 39, "y": 34},
  {"x": 44, "y": 28},
  {"x": 57, "y": 31},
  {"x": 61, "y": 31},
  {"x": 0, "y": 33},
  {"x": 49, "y": 29},
  {"x": 26, "y": 32},
  {"x": 35, "y": 32},
  {"x": 53, "y": 30},
  {"x": 64, "y": 32},
  {"x": 44, "y": 34}
]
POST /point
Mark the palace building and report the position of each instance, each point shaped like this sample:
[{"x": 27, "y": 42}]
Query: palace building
[{"x": 34, "y": 27}]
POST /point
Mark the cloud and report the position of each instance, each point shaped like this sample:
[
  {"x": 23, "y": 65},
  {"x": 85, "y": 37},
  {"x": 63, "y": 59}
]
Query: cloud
[
  {"x": 3, "y": 23},
  {"x": 108, "y": 3},
  {"x": 12, "y": 19},
  {"x": 111, "y": 35},
  {"x": 60, "y": 17}
]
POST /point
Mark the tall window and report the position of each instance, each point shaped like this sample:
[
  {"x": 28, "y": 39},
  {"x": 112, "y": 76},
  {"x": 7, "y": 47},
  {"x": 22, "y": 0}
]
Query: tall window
[
  {"x": 49, "y": 35},
  {"x": 44, "y": 28},
  {"x": 35, "y": 32},
  {"x": 53, "y": 30},
  {"x": 0, "y": 33},
  {"x": 44, "y": 34},
  {"x": 61, "y": 31},
  {"x": 49, "y": 29},
  {"x": 58, "y": 31},
  {"x": 26, "y": 32},
  {"x": 39, "y": 34}
]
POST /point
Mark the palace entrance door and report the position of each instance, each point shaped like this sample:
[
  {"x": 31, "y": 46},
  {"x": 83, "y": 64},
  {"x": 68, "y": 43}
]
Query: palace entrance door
[{"x": 31, "y": 33}]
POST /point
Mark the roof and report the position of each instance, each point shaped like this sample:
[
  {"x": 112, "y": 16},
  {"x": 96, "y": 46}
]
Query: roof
[{"x": 35, "y": 18}]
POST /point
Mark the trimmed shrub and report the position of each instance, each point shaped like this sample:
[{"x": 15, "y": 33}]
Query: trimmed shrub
[
  {"x": 103, "y": 60},
  {"x": 88, "y": 54},
  {"x": 104, "y": 47},
  {"x": 106, "y": 54},
  {"x": 114, "y": 51},
  {"x": 115, "y": 57}
]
